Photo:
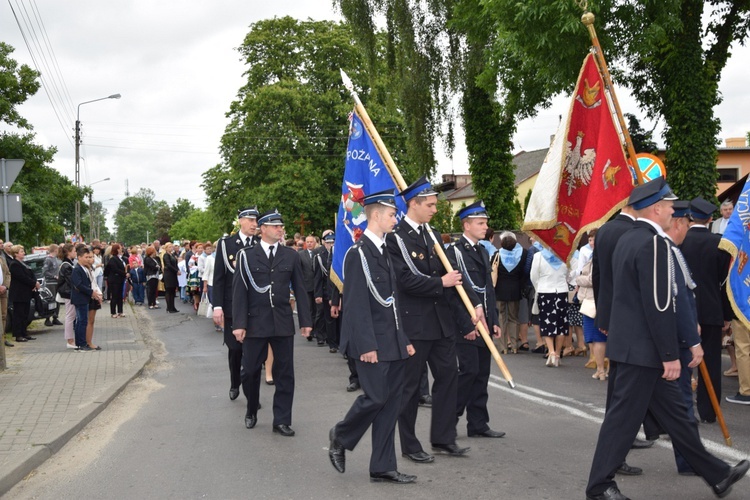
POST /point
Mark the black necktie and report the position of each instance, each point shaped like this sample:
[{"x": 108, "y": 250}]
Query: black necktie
[
  {"x": 247, "y": 242},
  {"x": 270, "y": 254},
  {"x": 423, "y": 232}
]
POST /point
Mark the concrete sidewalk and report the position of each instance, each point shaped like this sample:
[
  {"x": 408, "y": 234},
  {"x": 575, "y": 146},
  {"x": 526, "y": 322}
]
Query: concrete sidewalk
[{"x": 48, "y": 392}]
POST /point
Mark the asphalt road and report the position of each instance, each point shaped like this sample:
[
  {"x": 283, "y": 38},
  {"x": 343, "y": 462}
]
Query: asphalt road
[{"x": 174, "y": 433}]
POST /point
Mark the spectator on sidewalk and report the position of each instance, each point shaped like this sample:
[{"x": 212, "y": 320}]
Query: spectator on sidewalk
[
  {"x": 50, "y": 270},
  {"x": 24, "y": 284},
  {"x": 4, "y": 285},
  {"x": 82, "y": 293},
  {"x": 115, "y": 274},
  {"x": 66, "y": 253},
  {"x": 152, "y": 268},
  {"x": 98, "y": 265},
  {"x": 94, "y": 305}
]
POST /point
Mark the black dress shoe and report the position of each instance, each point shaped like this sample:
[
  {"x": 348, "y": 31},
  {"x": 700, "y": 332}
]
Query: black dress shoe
[
  {"x": 450, "y": 449},
  {"x": 321, "y": 343},
  {"x": 393, "y": 476},
  {"x": 425, "y": 401},
  {"x": 284, "y": 430},
  {"x": 735, "y": 474},
  {"x": 627, "y": 470},
  {"x": 234, "y": 394},
  {"x": 21, "y": 339},
  {"x": 28, "y": 337},
  {"x": 56, "y": 321},
  {"x": 259, "y": 406},
  {"x": 270, "y": 382},
  {"x": 336, "y": 451},
  {"x": 708, "y": 420},
  {"x": 310, "y": 338},
  {"x": 48, "y": 322},
  {"x": 173, "y": 311},
  {"x": 250, "y": 421},
  {"x": 639, "y": 444},
  {"x": 420, "y": 457},
  {"x": 354, "y": 386},
  {"x": 8, "y": 344},
  {"x": 489, "y": 433},
  {"x": 612, "y": 493}
]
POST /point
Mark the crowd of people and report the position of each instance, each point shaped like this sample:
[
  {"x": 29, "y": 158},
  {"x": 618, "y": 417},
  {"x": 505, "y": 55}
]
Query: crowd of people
[{"x": 401, "y": 313}]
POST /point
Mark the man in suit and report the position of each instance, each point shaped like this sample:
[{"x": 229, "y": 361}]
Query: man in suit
[
  {"x": 314, "y": 294},
  {"x": 224, "y": 269},
  {"x": 372, "y": 335},
  {"x": 325, "y": 324},
  {"x": 642, "y": 338},
  {"x": 687, "y": 318},
  {"x": 81, "y": 293},
  {"x": 726, "y": 208},
  {"x": 470, "y": 257},
  {"x": 602, "y": 268},
  {"x": 710, "y": 266},
  {"x": 262, "y": 317},
  {"x": 426, "y": 291}
]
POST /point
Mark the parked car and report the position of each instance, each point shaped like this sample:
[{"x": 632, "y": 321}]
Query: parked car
[{"x": 48, "y": 304}]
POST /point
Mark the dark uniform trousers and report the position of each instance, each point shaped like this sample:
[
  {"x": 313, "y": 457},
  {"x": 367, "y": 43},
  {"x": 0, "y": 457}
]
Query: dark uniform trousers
[
  {"x": 379, "y": 406},
  {"x": 268, "y": 321},
  {"x": 474, "y": 358},
  {"x": 430, "y": 325},
  {"x": 644, "y": 334},
  {"x": 226, "y": 251},
  {"x": 709, "y": 266},
  {"x": 440, "y": 355},
  {"x": 369, "y": 326},
  {"x": 636, "y": 390},
  {"x": 255, "y": 352}
]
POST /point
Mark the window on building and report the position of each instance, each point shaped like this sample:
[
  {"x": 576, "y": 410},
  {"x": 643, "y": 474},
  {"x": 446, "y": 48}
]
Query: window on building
[{"x": 728, "y": 174}]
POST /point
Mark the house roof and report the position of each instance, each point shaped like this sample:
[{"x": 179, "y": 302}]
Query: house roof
[
  {"x": 461, "y": 193},
  {"x": 528, "y": 163}
]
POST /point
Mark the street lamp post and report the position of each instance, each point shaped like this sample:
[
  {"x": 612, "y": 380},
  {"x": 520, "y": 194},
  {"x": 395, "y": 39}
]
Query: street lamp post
[
  {"x": 78, "y": 157},
  {"x": 91, "y": 212}
]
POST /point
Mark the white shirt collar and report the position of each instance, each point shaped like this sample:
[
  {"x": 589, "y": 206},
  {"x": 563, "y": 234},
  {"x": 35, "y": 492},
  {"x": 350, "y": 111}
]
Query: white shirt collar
[
  {"x": 267, "y": 247},
  {"x": 627, "y": 215},
  {"x": 377, "y": 240},
  {"x": 698, "y": 225},
  {"x": 243, "y": 236},
  {"x": 656, "y": 226},
  {"x": 468, "y": 238},
  {"x": 413, "y": 224}
]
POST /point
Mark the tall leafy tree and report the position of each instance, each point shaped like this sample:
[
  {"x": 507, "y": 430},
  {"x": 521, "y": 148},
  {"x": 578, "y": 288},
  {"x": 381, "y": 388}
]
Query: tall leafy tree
[
  {"x": 181, "y": 209},
  {"x": 17, "y": 84},
  {"x": 669, "y": 53},
  {"x": 285, "y": 144}
]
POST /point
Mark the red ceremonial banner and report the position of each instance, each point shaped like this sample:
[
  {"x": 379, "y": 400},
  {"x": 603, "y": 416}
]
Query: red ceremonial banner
[{"x": 595, "y": 178}]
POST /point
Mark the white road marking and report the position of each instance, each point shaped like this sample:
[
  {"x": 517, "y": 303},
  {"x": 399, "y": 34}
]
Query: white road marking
[{"x": 545, "y": 398}]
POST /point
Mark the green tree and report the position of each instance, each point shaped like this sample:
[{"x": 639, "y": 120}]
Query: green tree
[
  {"x": 163, "y": 221},
  {"x": 181, "y": 209},
  {"x": 48, "y": 198},
  {"x": 643, "y": 140},
  {"x": 285, "y": 144},
  {"x": 670, "y": 54},
  {"x": 135, "y": 216},
  {"x": 134, "y": 227},
  {"x": 199, "y": 225},
  {"x": 17, "y": 84}
]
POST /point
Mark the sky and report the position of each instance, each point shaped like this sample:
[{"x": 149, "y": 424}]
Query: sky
[{"x": 176, "y": 66}]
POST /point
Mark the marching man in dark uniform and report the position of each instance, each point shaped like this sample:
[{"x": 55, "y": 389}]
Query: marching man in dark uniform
[
  {"x": 224, "y": 267},
  {"x": 324, "y": 323},
  {"x": 372, "y": 335},
  {"x": 263, "y": 317},
  {"x": 474, "y": 358},
  {"x": 710, "y": 267},
  {"x": 643, "y": 340},
  {"x": 427, "y": 293}
]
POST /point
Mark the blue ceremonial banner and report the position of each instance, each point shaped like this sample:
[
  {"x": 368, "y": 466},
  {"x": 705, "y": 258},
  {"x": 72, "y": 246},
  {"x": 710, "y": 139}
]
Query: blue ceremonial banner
[
  {"x": 736, "y": 241},
  {"x": 365, "y": 172}
]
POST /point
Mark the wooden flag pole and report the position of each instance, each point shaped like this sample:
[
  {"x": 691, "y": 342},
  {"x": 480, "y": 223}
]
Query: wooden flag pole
[
  {"x": 715, "y": 402},
  {"x": 401, "y": 184},
  {"x": 588, "y": 20}
]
